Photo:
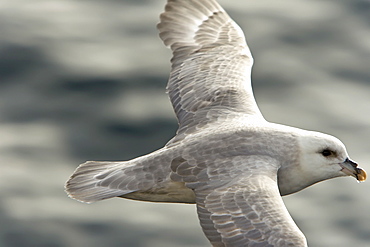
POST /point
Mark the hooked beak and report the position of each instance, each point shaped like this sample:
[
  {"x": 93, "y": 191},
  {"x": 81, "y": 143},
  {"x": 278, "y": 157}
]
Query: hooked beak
[{"x": 351, "y": 168}]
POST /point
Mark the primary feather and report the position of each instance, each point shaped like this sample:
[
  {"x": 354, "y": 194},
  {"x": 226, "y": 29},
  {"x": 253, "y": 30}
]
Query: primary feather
[{"x": 225, "y": 157}]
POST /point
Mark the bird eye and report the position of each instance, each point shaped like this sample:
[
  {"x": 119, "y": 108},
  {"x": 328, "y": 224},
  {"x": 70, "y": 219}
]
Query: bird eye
[{"x": 326, "y": 152}]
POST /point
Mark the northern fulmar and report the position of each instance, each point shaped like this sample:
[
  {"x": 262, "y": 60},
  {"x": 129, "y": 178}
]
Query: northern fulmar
[{"x": 225, "y": 156}]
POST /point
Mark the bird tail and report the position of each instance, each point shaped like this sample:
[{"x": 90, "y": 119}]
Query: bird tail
[{"x": 87, "y": 183}]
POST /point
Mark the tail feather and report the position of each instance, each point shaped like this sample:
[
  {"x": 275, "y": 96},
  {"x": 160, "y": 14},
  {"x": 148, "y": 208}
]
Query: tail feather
[{"x": 87, "y": 183}]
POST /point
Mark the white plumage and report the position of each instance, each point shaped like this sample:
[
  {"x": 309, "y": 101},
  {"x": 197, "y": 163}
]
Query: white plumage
[{"x": 225, "y": 157}]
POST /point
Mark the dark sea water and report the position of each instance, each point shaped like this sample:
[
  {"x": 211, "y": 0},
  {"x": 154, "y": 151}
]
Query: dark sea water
[{"x": 85, "y": 80}]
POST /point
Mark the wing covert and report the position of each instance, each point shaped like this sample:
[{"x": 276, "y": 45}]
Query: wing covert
[
  {"x": 211, "y": 63},
  {"x": 242, "y": 207}
]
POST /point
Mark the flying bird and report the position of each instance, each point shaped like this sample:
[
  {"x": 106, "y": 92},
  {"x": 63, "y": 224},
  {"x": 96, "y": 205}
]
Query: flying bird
[{"x": 225, "y": 157}]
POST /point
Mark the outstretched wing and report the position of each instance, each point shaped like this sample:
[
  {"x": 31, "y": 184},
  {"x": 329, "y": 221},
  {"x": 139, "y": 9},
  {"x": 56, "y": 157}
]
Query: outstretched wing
[
  {"x": 211, "y": 63},
  {"x": 238, "y": 201}
]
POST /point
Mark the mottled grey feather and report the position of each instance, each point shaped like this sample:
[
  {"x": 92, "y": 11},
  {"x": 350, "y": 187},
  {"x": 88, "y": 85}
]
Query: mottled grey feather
[
  {"x": 93, "y": 180},
  {"x": 226, "y": 157},
  {"x": 211, "y": 64},
  {"x": 244, "y": 209}
]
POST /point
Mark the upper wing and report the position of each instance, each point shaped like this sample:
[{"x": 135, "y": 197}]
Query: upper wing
[
  {"x": 211, "y": 63},
  {"x": 238, "y": 201}
]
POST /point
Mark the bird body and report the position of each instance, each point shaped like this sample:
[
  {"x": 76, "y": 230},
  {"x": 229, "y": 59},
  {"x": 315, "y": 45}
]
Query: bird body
[{"x": 225, "y": 156}]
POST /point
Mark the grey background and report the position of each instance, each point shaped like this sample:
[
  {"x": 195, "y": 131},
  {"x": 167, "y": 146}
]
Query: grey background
[{"x": 84, "y": 80}]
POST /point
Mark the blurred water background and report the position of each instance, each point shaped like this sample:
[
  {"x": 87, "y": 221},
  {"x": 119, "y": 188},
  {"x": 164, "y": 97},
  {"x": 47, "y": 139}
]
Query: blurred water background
[{"x": 85, "y": 80}]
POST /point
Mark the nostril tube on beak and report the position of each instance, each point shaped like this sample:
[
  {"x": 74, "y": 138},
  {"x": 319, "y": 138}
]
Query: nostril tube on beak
[
  {"x": 351, "y": 168},
  {"x": 348, "y": 161}
]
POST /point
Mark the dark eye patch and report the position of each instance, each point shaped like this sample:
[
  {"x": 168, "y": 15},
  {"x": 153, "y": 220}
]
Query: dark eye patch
[{"x": 327, "y": 152}]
